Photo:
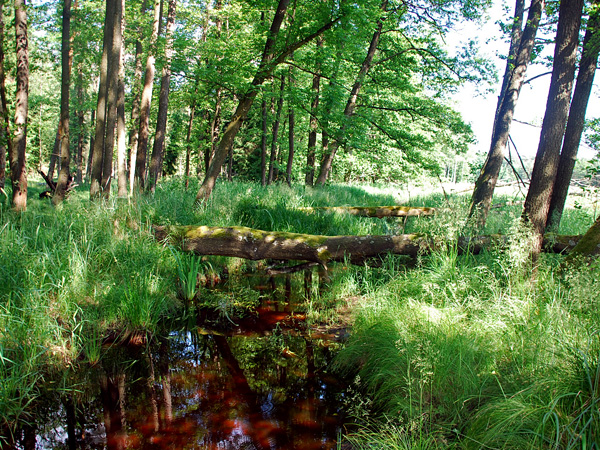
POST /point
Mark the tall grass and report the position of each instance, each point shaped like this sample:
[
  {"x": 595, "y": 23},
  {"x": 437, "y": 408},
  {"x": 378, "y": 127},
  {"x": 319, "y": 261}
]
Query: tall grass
[
  {"x": 454, "y": 351},
  {"x": 472, "y": 353}
]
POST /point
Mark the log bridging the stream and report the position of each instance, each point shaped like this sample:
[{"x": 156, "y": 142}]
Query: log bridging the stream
[
  {"x": 248, "y": 243},
  {"x": 375, "y": 211}
]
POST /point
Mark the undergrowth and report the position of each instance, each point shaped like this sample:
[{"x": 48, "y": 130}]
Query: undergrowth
[{"x": 450, "y": 351}]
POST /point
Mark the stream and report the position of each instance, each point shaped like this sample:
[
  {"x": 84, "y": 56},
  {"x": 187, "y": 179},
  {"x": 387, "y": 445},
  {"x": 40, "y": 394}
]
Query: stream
[{"x": 261, "y": 384}]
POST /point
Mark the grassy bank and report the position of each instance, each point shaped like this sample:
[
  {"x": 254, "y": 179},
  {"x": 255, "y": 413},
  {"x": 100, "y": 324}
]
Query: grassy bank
[{"x": 456, "y": 351}]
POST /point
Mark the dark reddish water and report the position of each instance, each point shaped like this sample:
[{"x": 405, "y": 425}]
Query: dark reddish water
[{"x": 262, "y": 384}]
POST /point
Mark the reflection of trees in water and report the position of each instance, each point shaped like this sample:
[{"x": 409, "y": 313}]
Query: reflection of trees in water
[{"x": 202, "y": 391}]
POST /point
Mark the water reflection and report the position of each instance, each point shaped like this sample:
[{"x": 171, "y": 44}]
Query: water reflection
[{"x": 260, "y": 385}]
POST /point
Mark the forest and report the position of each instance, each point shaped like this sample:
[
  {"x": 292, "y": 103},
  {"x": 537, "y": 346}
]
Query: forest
[{"x": 263, "y": 224}]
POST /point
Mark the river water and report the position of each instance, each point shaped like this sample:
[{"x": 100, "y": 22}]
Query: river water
[{"x": 261, "y": 384}]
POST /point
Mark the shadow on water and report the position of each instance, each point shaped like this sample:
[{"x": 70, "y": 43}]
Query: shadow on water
[{"x": 262, "y": 384}]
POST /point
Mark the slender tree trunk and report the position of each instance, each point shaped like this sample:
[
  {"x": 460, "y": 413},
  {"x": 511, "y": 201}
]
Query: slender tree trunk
[
  {"x": 263, "y": 143},
  {"x": 140, "y": 169},
  {"x": 163, "y": 103},
  {"x": 135, "y": 114},
  {"x": 111, "y": 98},
  {"x": 18, "y": 167},
  {"x": 135, "y": 108},
  {"x": 121, "y": 132},
  {"x": 188, "y": 138},
  {"x": 275, "y": 132},
  {"x": 327, "y": 161},
  {"x": 54, "y": 157},
  {"x": 537, "y": 203},
  {"x": 313, "y": 124},
  {"x": 213, "y": 132},
  {"x": 576, "y": 121},
  {"x": 291, "y": 139},
  {"x": 515, "y": 40},
  {"x": 98, "y": 149},
  {"x": 88, "y": 167},
  {"x": 267, "y": 64},
  {"x": 65, "y": 154},
  {"x": 486, "y": 183},
  {"x": 5, "y": 140},
  {"x": 81, "y": 125}
]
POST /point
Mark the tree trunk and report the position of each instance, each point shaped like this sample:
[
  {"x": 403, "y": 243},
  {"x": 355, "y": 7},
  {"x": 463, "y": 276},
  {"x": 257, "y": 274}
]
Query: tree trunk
[
  {"x": 350, "y": 108},
  {"x": 121, "y": 132},
  {"x": 188, "y": 138},
  {"x": 18, "y": 169},
  {"x": 576, "y": 121},
  {"x": 142, "y": 150},
  {"x": 267, "y": 64},
  {"x": 111, "y": 97},
  {"x": 98, "y": 148},
  {"x": 65, "y": 154},
  {"x": 135, "y": 107},
  {"x": 515, "y": 40},
  {"x": 88, "y": 168},
  {"x": 55, "y": 155},
  {"x": 248, "y": 243},
  {"x": 537, "y": 203},
  {"x": 291, "y": 139},
  {"x": 213, "y": 133},
  {"x": 263, "y": 143},
  {"x": 80, "y": 124},
  {"x": 275, "y": 131},
  {"x": 312, "y": 135},
  {"x": 486, "y": 183},
  {"x": 5, "y": 140},
  {"x": 163, "y": 103}
]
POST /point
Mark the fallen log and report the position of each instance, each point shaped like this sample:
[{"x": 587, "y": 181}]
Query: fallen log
[
  {"x": 248, "y": 243},
  {"x": 375, "y": 211}
]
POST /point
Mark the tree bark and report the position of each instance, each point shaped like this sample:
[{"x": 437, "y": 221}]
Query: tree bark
[
  {"x": 576, "y": 120},
  {"x": 275, "y": 132},
  {"x": 135, "y": 107},
  {"x": 350, "y": 108},
  {"x": 486, "y": 183},
  {"x": 55, "y": 155},
  {"x": 248, "y": 243},
  {"x": 121, "y": 132},
  {"x": 18, "y": 167},
  {"x": 163, "y": 103},
  {"x": 188, "y": 138},
  {"x": 213, "y": 133},
  {"x": 80, "y": 124},
  {"x": 267, "y": 64},
  {"x": 65, "y": 154},
  {"x": 291, "y": 140},
  {"x": 313, "y": 124},
  {"x": 98, "y": 149},
  {"x": 515, "y": 40},
  {"x": 140, "y": 168},
  {"x": 5, "y": 140},
  {"x": 111, "y": 97},
  {"x": 537, "y": 203},
  {"x": 263, "y": 143},
  {"x": 88, "y": 168}
]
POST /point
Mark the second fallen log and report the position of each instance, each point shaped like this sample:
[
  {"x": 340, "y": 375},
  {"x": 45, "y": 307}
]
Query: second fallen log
[{"x": 375, "y": 211}]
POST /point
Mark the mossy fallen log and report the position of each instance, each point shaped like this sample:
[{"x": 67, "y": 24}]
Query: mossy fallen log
[
  {"x": 248, "y": 243},
  {"x": 375, "y": 211}
]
